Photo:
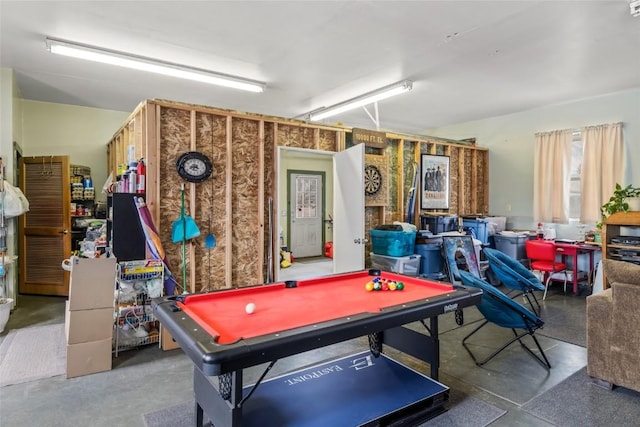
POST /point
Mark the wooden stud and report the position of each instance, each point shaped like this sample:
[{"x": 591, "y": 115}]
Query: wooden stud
[
  {"x": 192, "y": 204},
  {"x": 229, "y": 207},
  {"x": 400, "y": 180},
  {"x": 261, "y": 229}
]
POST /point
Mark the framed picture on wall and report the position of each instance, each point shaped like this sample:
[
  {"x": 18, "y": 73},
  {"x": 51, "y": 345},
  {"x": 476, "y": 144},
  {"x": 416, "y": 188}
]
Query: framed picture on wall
[{"x": 435, "y": 182}]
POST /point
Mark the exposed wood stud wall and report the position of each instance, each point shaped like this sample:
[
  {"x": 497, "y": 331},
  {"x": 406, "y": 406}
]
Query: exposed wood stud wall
[{"x": 243, "y": 150}]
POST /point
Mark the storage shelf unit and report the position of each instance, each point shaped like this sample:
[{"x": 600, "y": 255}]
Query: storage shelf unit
[
  {"x": 134, "y": 323},
  {"x": 614, "y": 226},
  {"x": 82, "y": 201}
]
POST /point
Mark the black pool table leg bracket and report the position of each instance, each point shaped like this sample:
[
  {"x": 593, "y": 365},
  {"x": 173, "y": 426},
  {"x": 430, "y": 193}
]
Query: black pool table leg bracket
[
  {"x": 425, "y": 347},
  {"x": 375, "y": 343}
]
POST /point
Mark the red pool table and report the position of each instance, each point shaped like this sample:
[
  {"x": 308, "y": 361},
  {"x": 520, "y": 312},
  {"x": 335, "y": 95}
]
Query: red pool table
[{"x": 292, "y": 317}]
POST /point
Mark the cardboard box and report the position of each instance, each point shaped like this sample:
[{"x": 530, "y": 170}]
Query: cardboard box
[
  {"x": 88, "y": 325},
  {"x": 166, "y": 340},
  {"x": 88, "y": 358},
  {"x": 92, "y": 283}
]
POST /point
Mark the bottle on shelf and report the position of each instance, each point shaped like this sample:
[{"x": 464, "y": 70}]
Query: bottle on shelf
[
  {"x": 540, "y": 232},
  {"x": 133, "y": 177},
  {"x": 140, "y": 175}
]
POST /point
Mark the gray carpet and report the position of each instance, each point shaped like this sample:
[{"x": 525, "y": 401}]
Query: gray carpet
[
  {"x": 578, "y": 402},
  {"x": 33, "y": 353},
  {"x": 465, "y": 411}
]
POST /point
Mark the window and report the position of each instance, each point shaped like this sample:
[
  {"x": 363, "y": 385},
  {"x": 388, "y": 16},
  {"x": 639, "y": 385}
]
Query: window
[{"x": 575, "y": 193}]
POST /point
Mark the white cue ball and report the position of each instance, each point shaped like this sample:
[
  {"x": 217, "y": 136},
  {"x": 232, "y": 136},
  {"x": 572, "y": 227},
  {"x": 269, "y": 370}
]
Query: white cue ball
[{"x": 250, "y": 308}]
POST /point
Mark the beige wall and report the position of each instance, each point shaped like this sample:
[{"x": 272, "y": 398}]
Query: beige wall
[
  {"x": 79, "y": 132},
  {"x": 510, "y": 140}
]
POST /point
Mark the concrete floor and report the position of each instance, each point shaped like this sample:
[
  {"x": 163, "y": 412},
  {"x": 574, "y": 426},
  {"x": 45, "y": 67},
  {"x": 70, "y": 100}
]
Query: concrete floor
[{"x": 148, "y": 379}]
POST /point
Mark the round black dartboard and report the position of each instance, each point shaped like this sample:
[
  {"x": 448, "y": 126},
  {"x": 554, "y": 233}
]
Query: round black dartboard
[{"x": 372, "y": 180}]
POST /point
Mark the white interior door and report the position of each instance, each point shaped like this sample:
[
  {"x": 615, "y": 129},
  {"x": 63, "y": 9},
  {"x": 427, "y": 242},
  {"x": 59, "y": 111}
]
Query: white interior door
[
  {"x": 348, "y": 208},
  {"x": 306, "y": 214}
]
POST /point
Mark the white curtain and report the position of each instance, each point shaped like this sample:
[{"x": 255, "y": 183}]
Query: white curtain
[
  {"x": 602, "y": 167},
  {"x": 552, "y": 164}
]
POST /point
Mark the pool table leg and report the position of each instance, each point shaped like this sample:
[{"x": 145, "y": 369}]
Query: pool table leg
[
  {"x": 221, "y": 412},
  {"x": 199, "y": 415}
]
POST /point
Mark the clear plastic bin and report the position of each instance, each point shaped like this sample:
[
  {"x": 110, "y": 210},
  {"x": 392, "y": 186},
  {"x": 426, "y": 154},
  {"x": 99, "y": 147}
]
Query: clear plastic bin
[{"x": 407, "y": 265}]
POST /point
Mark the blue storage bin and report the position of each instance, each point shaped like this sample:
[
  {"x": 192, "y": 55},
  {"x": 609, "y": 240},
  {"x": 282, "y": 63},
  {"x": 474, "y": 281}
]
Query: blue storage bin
[
  {"x": 431, "y": 258},
  {"x": 393, "y": 243},
  {"x": 437, "y": 224},
  {"x": 478, "y": 227}
]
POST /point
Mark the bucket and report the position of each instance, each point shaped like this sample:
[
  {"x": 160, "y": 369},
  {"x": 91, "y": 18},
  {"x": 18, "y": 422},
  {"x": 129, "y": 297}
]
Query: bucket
[
  {"x": 431, "y": 258},
  {"x": 5, "y": 310}
]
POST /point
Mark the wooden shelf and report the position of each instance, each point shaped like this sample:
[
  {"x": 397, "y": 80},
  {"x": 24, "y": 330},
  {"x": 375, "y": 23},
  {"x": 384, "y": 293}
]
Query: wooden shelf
[{"x": 612, "y": 228}]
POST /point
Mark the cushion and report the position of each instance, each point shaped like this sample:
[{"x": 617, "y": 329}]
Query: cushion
[{"x": 621, "y": 271}]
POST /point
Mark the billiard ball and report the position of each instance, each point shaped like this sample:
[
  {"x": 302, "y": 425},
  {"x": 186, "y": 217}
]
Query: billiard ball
[
  {"x": 369, "y": 286},
  {"x": 392, "y": 286},
  {"x": 377, "y": 286},
  {"x": 250, "y": 308},
  {"x": 400, "y": 286}
]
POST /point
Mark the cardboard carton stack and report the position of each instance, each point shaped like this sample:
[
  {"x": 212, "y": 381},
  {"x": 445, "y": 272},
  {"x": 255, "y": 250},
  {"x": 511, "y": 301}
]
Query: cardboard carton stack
[{"x": 89, "y": 316}]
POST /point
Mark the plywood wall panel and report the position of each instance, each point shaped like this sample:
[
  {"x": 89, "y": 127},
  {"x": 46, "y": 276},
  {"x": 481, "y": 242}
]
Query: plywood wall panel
[
  {"x": 328, "y": 140},
  {"x": 245, "y": 176},
  {"x": 245, "y": 200}
]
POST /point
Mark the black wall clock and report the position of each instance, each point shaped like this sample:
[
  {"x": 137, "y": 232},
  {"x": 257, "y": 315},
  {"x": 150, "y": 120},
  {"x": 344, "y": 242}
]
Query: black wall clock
[{"x": 193, "y": 166}]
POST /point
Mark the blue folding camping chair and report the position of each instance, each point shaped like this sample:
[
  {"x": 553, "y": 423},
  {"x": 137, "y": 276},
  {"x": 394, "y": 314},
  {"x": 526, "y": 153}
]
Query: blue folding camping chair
[
  {"x": 514, "y": 276},
  {"x": 499, "y": 309}
]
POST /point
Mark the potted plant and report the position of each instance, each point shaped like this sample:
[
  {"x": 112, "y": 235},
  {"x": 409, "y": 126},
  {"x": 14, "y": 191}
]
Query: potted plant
[{"x": 624, "y": 199}]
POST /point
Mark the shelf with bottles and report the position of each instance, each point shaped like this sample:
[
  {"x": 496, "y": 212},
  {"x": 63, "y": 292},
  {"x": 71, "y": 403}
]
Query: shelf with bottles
[{"x": 138, "y": 282}]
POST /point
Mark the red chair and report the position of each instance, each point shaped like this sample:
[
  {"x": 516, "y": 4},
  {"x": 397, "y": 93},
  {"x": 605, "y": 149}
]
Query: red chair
[{"x": 542, "y": 256}]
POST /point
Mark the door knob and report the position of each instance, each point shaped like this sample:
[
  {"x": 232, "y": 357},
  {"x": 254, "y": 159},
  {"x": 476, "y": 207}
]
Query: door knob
[{"x": 64, "y": 232}]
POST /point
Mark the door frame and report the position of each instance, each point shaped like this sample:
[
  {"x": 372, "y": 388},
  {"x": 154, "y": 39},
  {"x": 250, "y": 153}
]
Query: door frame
[{"x": 278, "y": 193}]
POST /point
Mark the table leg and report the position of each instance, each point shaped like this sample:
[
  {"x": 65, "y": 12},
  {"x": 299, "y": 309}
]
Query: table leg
[
  {"x": 199, "y": 415},
  {"x": 576, "y": 271}
]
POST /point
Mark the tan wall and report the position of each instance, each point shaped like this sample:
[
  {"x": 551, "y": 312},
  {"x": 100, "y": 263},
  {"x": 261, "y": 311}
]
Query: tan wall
[{"x": 79, "y": 132}]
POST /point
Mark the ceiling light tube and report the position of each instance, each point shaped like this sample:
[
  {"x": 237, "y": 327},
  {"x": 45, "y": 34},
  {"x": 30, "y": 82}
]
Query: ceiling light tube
[
  {"x": 112, "y": 57},
  {"x": 362, "y": 100}
]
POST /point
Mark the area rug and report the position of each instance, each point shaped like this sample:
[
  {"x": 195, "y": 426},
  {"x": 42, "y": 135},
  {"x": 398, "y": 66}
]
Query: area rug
[
  {"x": 32, "y": 353},
  {"x": 465, "y": 411},
  {"x": 578, "y": 402}
]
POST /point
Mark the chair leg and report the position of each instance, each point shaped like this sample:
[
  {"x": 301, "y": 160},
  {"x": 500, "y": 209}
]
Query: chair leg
[
  {"x": 544, "y": 363},
  {"x": 516, "y": 338},
  {"x": 468, "y": 336},
  {"x": 546, "y": 287}
]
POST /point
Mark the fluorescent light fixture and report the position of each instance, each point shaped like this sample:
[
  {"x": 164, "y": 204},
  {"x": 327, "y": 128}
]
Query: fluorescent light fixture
[
  {"x": 106, "y": 56},
  {"x": 362, "y": 100}
]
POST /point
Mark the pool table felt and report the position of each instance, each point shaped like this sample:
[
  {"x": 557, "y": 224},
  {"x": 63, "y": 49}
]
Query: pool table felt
[{"x": 278, "y": 308}]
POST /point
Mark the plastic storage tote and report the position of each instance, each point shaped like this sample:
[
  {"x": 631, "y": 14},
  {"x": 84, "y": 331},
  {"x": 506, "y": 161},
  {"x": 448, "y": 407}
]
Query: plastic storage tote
[
  {"x": 512, "y": 245},
  {"x": 393, "y": 243},
  {"x": 431, "y": 262},
  {"x": 479, "y": 228},
  {"x": 437, "y": 224},
  {"x": 407, "y": 265}
]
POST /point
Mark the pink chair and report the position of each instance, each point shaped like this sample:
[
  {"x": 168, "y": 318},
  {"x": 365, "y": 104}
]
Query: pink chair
[{"x": 542, "y": 256}]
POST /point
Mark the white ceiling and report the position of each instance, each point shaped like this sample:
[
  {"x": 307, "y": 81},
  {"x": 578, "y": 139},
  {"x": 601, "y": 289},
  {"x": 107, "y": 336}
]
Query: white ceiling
[{"x": 468, "y": 59}]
